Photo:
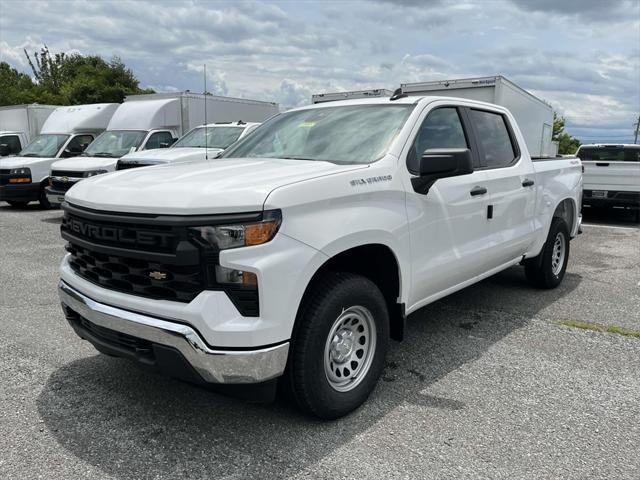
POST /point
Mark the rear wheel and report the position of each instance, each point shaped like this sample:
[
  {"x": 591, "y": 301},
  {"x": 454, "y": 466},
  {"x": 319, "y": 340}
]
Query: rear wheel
[
  {"x": 339, "y": 345},
  {"x": 548, "y": 268}
]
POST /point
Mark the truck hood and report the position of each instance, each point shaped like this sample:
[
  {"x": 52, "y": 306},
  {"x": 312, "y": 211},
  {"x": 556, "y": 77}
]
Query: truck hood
[
  {"x": 21, "y": 162},
  {"x": 84, "y": 164},
  {"x": 167, "y": 155},
  {"x": 218, "y": 186}
]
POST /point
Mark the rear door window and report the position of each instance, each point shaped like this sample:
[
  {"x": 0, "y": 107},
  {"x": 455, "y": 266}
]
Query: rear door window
[
  {"x": 496, "y": 147},
  {"x": 610, "y": 154}
]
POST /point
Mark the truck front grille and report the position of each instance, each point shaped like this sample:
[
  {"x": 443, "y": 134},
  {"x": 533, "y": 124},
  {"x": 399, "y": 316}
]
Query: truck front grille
[
  {"x": 4, "y": 177},
  {"x": 151, "y": 256},
  {"x": 136, "y": 276}
]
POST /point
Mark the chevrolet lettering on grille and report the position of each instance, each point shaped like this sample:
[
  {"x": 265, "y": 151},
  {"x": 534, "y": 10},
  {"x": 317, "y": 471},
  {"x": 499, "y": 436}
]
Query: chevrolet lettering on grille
[{"x": 117, "y": 234}]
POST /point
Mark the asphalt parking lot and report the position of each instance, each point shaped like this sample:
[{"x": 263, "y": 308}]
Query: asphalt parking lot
[{"x": 487, "y": 384}]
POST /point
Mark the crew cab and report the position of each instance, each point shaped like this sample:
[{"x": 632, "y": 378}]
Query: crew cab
[
  {"x": 611, "y": 175},
  {"x": 200, "y": 143},
  {"x": 298, "y": 253}
]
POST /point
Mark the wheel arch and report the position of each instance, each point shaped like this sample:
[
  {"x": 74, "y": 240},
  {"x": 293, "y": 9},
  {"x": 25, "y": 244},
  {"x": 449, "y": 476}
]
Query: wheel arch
[{"x": 377, "y": 262}]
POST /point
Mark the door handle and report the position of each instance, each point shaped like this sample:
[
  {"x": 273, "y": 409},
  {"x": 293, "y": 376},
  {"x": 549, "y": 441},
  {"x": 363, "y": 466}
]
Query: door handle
[
  {"x": 602, "y": 164},
  {"x": 527, "y": 183},
  {"x": 478, "y": 191}
]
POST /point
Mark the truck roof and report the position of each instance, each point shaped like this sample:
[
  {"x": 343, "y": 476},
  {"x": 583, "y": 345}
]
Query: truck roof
[
  {"x": 187, "y": 94},
  {"x": 85, "y": 118},
  {"x": 410, "y": 99}
]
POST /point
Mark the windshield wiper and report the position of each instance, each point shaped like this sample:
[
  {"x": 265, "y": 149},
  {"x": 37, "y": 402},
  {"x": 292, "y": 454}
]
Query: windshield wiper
[
  {"x": 102, "y": 154},
  {"x": 30, "y": 155}
]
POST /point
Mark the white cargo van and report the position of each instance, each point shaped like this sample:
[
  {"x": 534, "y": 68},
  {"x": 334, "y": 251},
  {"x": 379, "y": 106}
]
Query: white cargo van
[
  {"x": 66, "y": 133},
  {"x": 19, "y": 124},
  {"x": 534, "y": 116},
  {"x": 201, "y": 143},
  {"x": 146, "y": 122}
]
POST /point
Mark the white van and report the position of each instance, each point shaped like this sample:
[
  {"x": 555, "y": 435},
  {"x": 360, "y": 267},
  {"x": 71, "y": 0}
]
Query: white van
[
  {"x": 19, "y": 124},
  {"x": 66, "y": 133},
  {"x": 201, "y": 143},
  {"x": 146, "y": 122}
]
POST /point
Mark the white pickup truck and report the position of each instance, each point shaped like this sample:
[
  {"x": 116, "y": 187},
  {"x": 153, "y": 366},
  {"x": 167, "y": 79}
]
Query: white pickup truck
[
  {"x": 300, "y": 252},
  {"x": 611, "y": 175},
  {"x": 200, "y": 143}
]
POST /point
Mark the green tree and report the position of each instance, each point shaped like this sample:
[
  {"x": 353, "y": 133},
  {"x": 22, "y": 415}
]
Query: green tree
[
  {"x": 15, "y": 87},
  {"x": 60, "y": 79},
  {"x": 567, "y": 145}
]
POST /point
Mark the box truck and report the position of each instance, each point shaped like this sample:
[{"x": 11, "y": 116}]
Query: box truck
[
  {"x": 534, "y": 116},
  {"x": 66, "y": 133},
  {"x": 145, "y": 122},
  {"x": 19, "y": 124}
]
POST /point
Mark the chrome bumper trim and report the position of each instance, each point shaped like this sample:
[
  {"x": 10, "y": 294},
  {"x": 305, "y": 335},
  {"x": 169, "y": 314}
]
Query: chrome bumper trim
[{"x": 215, "y": 366}]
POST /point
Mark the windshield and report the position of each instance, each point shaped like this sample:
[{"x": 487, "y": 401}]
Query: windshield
[
  {"x": 115, "y": 143},
  {"x": 610, "y": 154},
  {"x": 344, "y": 134},
  {"x": 216, "y": 137},
  {"x": 44, "y": 146}
]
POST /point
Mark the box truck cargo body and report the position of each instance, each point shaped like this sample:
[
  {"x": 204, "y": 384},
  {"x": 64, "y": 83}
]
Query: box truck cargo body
[
  {"x": 19, "y": 124},
  {"x": 66, "y": 133},
  {"x": 534, "y": 116},
  {"x": 146, "y": 122}
]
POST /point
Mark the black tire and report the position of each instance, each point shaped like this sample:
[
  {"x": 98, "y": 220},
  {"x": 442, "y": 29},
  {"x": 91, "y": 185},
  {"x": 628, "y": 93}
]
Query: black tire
[
  {"x": 330, "y": 297},
  {"x": 539, "y": 270},
  {"x": 43, "y": 200},
  {"x": 16, "y": 204}
]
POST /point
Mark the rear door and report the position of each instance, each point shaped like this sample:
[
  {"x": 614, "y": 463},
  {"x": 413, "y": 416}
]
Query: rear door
[{"x": 510, "y": 183}]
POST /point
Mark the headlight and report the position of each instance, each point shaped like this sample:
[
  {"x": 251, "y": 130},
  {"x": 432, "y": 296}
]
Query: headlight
[
  {"x": 20, "y": 175},
  {"x": 93, "y": 172},
  {"x": 222, "y": 237}
]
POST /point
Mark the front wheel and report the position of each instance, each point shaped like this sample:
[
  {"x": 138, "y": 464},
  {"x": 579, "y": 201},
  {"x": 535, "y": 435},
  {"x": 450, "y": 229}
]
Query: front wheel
[
  {"x": 339, "y": 345},
  {"x": 548, "y": 268},
  {"x": 43, "y": 200}
]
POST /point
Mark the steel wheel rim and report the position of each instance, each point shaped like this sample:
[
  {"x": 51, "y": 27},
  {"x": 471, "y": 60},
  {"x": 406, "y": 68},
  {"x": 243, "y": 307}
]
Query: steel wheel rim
[
  {"x": 558, "y": 254},
  {"x": 349, "y": 348}
]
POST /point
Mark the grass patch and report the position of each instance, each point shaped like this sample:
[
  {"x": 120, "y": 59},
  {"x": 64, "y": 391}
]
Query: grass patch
[{"x": 596, "y": 327}]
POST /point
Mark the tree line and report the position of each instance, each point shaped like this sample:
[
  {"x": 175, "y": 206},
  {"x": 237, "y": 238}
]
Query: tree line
[{"x": 60, "y": 79}]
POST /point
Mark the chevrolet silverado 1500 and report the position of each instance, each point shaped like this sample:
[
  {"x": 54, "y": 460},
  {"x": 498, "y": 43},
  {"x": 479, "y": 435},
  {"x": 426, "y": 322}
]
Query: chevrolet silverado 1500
[{"x": 300, "y": 252}]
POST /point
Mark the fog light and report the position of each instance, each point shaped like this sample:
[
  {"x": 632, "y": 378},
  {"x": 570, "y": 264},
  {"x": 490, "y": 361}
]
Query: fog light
[{"x": 235, "y": 277}]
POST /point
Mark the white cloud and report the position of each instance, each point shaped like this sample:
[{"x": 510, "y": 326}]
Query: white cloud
[{"x": 286, "y": 51}]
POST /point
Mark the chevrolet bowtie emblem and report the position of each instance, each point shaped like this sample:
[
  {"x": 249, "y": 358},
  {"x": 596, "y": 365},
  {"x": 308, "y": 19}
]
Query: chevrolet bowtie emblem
[
  {"x": 64, "y": 179},
  {"x": 158, "y": 275}
]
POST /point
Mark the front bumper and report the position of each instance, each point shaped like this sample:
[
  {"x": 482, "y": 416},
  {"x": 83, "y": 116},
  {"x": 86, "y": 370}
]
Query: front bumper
[
  {"x": 20, "y": 192},
  {"x": 164, "y": 344},
  {"x": 55, "y": 197}
]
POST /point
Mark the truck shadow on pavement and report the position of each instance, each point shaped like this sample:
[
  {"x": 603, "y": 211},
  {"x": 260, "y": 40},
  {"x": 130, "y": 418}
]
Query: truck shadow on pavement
[{"x": 133, "y": 425}]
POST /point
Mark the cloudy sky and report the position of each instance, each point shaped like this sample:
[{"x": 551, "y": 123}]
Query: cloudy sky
[{"x": 582, "y": 56}]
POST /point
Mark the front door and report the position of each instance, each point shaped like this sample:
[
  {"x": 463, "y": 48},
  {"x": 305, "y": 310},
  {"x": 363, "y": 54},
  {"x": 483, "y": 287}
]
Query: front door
[{"x": 449, "y": 231}]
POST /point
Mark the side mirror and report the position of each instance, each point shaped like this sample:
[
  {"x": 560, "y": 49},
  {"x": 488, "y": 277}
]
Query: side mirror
[
  {"x": 441, "y": 163},
  {"x": 4, "y": 150}
]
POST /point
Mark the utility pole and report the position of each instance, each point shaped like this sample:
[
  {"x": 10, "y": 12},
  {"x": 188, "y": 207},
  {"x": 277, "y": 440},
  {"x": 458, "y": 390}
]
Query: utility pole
[{"x": 637, "y": 125}]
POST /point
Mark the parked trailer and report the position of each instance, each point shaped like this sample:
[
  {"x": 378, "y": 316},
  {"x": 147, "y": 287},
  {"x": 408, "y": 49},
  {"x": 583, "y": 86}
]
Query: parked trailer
[
  {"x": 534, "y": 116},
  {"x": 19, "y": 124},
  {"x": 333, "y": 97},
  {"x": 146, "y": 122}
]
